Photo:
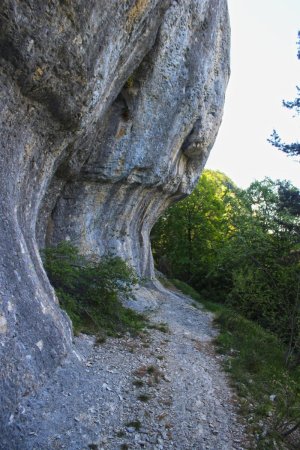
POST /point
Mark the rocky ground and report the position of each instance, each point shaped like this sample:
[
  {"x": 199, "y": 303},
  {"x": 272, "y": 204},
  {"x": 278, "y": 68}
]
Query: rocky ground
[{"x": 162, "y": 390}]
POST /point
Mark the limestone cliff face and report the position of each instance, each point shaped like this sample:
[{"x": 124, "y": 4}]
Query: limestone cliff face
[{"x": 108, "y": 113}]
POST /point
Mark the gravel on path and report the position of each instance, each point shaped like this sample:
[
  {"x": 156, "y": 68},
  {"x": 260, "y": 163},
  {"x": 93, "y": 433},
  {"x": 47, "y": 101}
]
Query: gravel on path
[{"x": 162, "y": 390}]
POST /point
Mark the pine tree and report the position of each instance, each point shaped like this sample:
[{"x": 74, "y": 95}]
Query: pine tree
[{"x": 291, "y": 149}]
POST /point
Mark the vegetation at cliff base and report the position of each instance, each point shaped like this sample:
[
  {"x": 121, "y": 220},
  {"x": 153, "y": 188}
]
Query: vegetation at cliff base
[{"x": 90, "y": 291}]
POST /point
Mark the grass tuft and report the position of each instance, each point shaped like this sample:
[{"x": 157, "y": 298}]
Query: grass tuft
[
  {"x": 190, "y": 292},
  {"x": 144, "y": 397},
  {"x": 162, "y": 327},
  {"x": 136, "y": 424},
  {"x": 138, "y": 383}
]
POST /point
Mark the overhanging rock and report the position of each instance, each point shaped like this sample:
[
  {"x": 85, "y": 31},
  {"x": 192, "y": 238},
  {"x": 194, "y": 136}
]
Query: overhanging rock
[{"x": 108, "y": 113}]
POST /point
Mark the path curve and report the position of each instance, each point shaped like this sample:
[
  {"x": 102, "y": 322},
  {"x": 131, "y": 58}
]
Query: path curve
[{"x": 161, "y": 391}]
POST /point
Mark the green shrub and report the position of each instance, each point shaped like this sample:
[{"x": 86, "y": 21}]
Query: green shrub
[
  {"x": 189, "y": 291},
  {"x": 268, "y": 388},
  {"x": 269, "y": 391},
  {"x": 238, "y": 247},
  {"x": 90, "y": 291}
]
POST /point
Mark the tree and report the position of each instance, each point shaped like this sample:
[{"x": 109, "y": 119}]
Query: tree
[
  {"x": 292, "y": 149},
  {"x": 187, "y": 239},
  {"x": 238, "y": 246},
  {"x": 263, "y": 258}
]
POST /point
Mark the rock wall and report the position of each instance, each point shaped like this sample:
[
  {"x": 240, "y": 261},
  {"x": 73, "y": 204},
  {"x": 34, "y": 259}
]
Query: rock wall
[{"x": 108, "y": 112}]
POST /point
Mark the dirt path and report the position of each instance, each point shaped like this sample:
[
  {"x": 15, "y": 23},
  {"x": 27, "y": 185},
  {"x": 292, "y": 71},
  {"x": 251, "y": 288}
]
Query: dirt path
[{"x": 165, "y": 390}]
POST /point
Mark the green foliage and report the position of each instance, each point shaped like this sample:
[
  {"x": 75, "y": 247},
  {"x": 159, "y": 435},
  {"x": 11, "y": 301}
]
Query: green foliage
[
  {"x": 144, "y": 398},
  {"x": 263, "y": 260},
  {"x": 242, "y": 248},
  {"x": 249, "y": 260},
  {"x": 90, "y": 291},
  {"x": 187, "y": 239},
  {"x": 136, "y": 424},
  {"x": 138, "y": 383},
  {"x": 161, "y": 326},
  {"x": 239, "y": 247},
  {"x": 190, "y": 292},
  {"x": 186, "y": 289},
  {"x": 269, "y": 393}
]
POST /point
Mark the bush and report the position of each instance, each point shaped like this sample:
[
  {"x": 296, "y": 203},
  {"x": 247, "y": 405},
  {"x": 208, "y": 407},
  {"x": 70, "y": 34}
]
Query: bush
[
  {"x": 90, "y": 291},
  {"x": 269, "y": 392},
  {"x": 238, "y": 247}
]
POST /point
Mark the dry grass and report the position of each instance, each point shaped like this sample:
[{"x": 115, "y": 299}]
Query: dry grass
[
  {"x": 140, "y": 371},
  {"x": 204, "y": 347},
  {"x": 152, "y": 374},
  {"x": 135, "y": 13},
  {"x": 120, "y": 133}
]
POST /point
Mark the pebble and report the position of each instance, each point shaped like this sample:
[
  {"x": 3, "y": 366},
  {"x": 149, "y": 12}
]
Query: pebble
[{"x": 190, "y": 406}]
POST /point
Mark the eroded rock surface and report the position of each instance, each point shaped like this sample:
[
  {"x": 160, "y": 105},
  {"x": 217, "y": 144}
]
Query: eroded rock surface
[{"x": 108, "y": 112}]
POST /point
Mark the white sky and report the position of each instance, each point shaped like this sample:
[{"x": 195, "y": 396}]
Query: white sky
[{"x": 264, "y": 71}]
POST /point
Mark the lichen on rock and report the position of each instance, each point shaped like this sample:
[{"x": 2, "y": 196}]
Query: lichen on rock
[{"x": 108, "y": 112}]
